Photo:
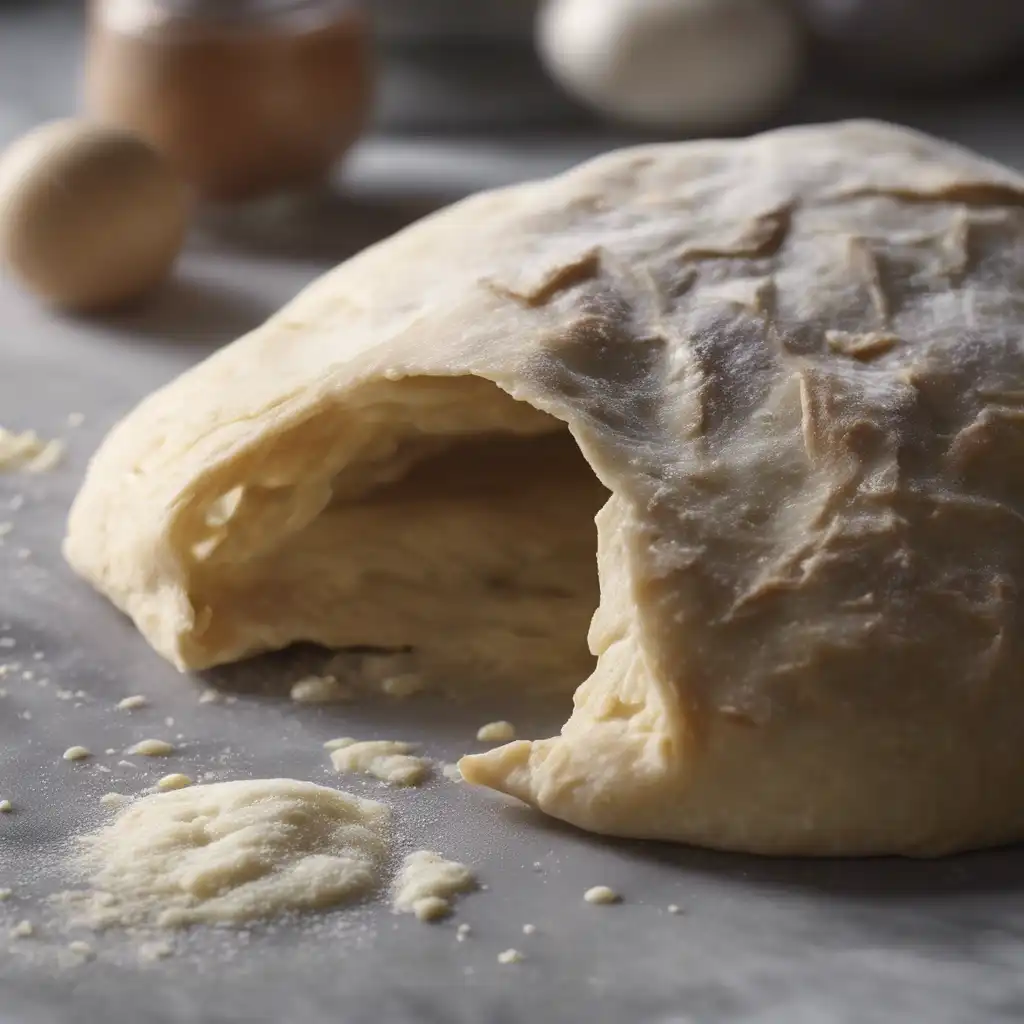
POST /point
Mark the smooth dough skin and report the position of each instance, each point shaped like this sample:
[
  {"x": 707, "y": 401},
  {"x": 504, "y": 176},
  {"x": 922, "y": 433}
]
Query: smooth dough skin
[{"x": 795, "y": 363}]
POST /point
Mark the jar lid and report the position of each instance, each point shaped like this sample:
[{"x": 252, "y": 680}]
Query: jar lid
[{"x": 137, "y": 17}]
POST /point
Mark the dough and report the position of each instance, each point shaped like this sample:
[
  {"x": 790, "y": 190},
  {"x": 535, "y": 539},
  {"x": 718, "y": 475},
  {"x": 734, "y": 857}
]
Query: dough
[
  {"x": 231, "y": 852},
  {"x": 794, "y": 363},
  {"x": 427, "y": 884},
  {"x": 28, "y": 452},
  {"x": 391, "y": 761}
]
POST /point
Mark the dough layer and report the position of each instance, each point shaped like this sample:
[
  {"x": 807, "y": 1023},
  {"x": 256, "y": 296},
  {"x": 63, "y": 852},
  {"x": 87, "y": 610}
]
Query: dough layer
[{"x": 794, "y": 365}]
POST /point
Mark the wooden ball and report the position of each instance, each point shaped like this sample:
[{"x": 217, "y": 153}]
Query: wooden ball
[{"x": 90, "y": 216}]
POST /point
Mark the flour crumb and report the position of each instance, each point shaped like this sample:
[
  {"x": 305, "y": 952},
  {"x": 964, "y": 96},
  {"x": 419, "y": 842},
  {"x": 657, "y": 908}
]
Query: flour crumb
[
  {"x": 320, "y": 690},
  {"x": 230, "y": 852},
  {"x": 26, "y": 716},
  {"x": 28, "y": 452},
  {"x": 451, "y": 772},
  {"x": 674, "y": 908},
  {"x": 462, "y": 932},
  {"x": 431, "y": 908},
  {"x": 211, "y": 697},
  {"x": 113, "y": 799},
  {"x": 427, "y": 884},
  {"x": 176, "y": 780},
  {"x": 150, "y": 951},
  {"x": 82, "y": 949},
  {"x": 8, "y": 642},
  {"x": 529, "y": 929},
  {"x": 496, "y": 732},
  {"x": 601, "y": 895},
  {"x": 132, "y": 703},
  {"x": 75, "y": 419},
  {"x": 22, "y": 930},
  {"x": 402, "y": 686},
  {"x": 6, "y": 894},
  {"x": 388, "y": 760},
  {"x": 77, "y": 753},
  {"x": 6, "y": 807},
  {"x": 537, "y": 866},
  {"x": 5, "y": 528},
  {"x": 152, "y": 748},
  {"x": 510, "y": 956}
]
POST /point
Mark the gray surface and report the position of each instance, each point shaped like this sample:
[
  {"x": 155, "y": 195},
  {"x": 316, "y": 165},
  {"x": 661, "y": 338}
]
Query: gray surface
[
  {"x": 765, "y": 941},
  {"x": 772, "y": 942}
]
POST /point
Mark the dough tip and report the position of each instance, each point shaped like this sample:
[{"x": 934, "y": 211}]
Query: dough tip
[{"x": 505, "y": 769}]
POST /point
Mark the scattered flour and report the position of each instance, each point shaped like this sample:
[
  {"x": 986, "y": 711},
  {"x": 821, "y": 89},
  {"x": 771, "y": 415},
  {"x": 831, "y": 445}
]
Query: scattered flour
[
  {"x": 23, "y": 930},
  {"x": 403, "y": 686},
  {"x": 150, "y": 951},
  {"x": 176, "y": 780},
  {"x": 80, "y": 948},
  {"x": 601, "y": 895},
  {"x": 6, "y": 807},
  {"x": 152, "y": 748},
  {"x": 529, "y": 929},
  {"x": 451, "y": 772},
  {"x": 76, "y": 754},
  {"x": 674, "y": 908},
  {"x": 388, "y": 760},
  {"x": 428, "y": 883},
  {"x": 132, "y": 703},
  {"x": 230, "y": 852},
  {"x": 496, "y": 732},
  {"x": 320, "y": 690},
  {"x": 510, "y": 956},
  {"x": 5, "y": 894},
  {"x": 28, "y": 452}
]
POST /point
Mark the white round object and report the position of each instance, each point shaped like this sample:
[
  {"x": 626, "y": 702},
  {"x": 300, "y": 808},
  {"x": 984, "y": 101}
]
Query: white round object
[{"x": 694, "y": 64}]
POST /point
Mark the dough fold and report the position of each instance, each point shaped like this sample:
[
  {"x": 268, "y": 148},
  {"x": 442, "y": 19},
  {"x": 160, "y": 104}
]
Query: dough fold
[{"x": 786, "y": 372}]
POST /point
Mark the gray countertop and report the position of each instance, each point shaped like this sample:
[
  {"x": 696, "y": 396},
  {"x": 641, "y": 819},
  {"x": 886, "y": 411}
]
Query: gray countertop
[{"x": 759, "y": 941}]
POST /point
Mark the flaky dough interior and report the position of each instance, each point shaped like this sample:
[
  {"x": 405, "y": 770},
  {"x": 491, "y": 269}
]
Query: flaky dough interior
[{"x": 450, "y": 519}]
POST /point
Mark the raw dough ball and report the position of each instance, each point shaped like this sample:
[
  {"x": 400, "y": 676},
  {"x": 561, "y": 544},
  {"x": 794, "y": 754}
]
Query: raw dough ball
[
  {"x": 916, "y": 41},
  {"x": 795, "y": 363},
  {"x": 89, "y": 216},
  {"x": 688, "y": 64},
  {"x": 231, "y": 852}
]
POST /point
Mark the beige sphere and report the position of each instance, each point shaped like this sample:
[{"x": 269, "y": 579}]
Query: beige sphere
[{"x": 90, "y": 216}]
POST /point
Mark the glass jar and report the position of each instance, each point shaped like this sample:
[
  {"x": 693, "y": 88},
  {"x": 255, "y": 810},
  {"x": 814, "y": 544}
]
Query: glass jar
[{"x": 247, "y": 98}]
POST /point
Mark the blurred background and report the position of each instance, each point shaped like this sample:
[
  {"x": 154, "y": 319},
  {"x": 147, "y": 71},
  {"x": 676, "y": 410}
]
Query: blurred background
[
  {"x": 402, "y": 105},
  {"x": 491, "y": 90}
]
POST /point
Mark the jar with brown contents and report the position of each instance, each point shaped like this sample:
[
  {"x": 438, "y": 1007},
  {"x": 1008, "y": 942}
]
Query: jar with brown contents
[{"x": 245, "y": 97}]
